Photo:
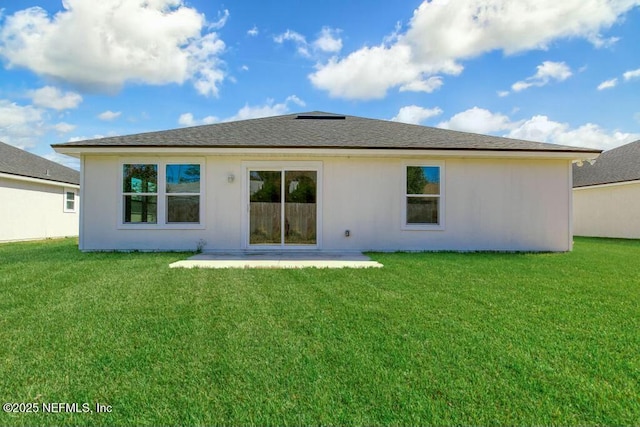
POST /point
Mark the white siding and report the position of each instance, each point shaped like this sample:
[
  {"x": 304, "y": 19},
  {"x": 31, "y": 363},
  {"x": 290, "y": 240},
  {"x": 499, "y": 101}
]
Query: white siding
[
  {"x": 33, "y": 210},
  {"x": 607, "y": 211},
  {"x": 490, "y": 204}
]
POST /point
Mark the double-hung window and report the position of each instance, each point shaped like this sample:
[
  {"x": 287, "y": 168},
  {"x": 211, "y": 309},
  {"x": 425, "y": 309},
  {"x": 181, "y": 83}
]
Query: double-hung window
[
  {"x": 183, "y": 193},
  {"x": 162, "y": 194},
  {"x": 423, "y": 205},
  {"x": 140, "y": 193},
  {"x": 69, "y": 200}
]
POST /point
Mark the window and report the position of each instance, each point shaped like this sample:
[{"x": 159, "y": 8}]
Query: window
[
  {"x": 183, "y": 193},
  {"x": 162, "y": 194},
  {"x": 140, "y": 193},
  {"x": 423, "y": 202},
  {"x": 69, "y": 200}
]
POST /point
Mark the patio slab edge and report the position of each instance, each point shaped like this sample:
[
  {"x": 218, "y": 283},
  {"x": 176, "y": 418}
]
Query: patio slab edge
[{"x": 318, "y": 260}]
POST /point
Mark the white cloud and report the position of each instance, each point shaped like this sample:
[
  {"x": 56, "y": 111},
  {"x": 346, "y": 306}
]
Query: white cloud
[
  {"x": 546, "y": 72},
  {"x": 541, "y": 128},
  {"x": 550, "y": 70},
  {"x": 63, "y": 127},
  {"x": 244, "y": 68},
  {"x": 109, "y": 115},
  {"x": 608, "y": 84},
  {"x": 222, "y": 20},
  {"x": 54, "y": 98},
  {"x": 519, "y": 86},
  {"x": 68, "y": 161},
  {"x": 428, "y": 85},
  {"x": 328, "y": 41},
  {"x": 268, "y": 109},
  {"x": 153, "y": 42},
  {"x": 204, "y": 67},
  {"x": 592, "y": 135},
  {"x": 295, "y": 100},
  {"x": 12, "y": 114},
  {"x": 442, "y": 33},
  {"x": 414, "y": 114},
  {"x": 369, "y": 72},
  {"x": 187, "y": 119},
  {"x": 467, "y": 28},
  {"x": 298, "y": 39},
  {"x": 628, "y": 75},
  {"x": 538, "y": 128},
  {"x": 478, "y": 120},
  {"x": 600, "y": 42},
  {"x": 20, "y": 125},
  {"x": 290, "y": 35},
  {"x": 503, "y": 93},
  {"x": 253, "y": 31},
  {"x": 257, "y": 111},
  {"x": 84, "y": 138}
]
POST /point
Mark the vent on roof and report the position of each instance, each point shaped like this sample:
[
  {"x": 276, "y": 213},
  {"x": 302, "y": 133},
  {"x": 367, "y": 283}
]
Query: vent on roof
[{"x": 320, "y": 117}]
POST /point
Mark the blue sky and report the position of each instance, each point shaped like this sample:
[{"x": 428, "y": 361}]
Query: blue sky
[{"x": 565, "y": 72}]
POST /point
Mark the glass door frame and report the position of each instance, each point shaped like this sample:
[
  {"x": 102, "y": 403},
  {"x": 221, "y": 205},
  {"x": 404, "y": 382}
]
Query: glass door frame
[{"x": 281, "y": 166}]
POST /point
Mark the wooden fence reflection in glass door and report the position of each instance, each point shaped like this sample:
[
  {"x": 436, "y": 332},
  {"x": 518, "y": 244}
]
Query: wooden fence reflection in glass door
[{"x": 283, "y": 207}]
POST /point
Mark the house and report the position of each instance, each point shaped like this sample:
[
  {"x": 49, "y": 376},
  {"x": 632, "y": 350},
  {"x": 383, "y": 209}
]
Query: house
[
  {"x": 606, "y": 194},
  {"x": 39, "y": 197},
  {"x": 325, "y": 182}
]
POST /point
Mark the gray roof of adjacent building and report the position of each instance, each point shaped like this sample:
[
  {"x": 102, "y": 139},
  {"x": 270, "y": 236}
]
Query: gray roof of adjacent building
[
  {"x": 322, "y": 130},
  {"x": 14, "y": 161},
  {"x": 617, "y": 165}
]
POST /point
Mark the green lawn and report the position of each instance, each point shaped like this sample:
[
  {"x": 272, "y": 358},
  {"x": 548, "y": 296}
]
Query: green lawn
[{"x": 433, "y": 338}]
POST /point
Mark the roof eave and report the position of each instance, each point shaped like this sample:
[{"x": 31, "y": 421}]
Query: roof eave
[
  {"x": 607, "y": 183},
  {"x": 37, "y": 179},
  {"x": 78, "y": 150}
]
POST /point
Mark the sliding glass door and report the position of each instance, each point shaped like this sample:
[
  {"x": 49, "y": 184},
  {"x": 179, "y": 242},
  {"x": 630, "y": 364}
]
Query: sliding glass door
[
  {"x": 265, "y": 206},
  {"x": 283, "y": 207},
  {"x": 300, "y": 207}
]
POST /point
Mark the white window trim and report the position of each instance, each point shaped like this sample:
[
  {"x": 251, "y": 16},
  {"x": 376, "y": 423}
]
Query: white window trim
[
  {"x": 162, "y": 194},
  {"x": 441, "y": 205},
  {"x": 75, "y": 200},
  {"x": 248, "y": 166}
]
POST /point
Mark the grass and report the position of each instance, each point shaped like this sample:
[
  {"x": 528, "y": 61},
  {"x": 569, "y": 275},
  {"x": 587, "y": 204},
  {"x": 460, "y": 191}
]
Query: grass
[{"x": 432, "y": 338}]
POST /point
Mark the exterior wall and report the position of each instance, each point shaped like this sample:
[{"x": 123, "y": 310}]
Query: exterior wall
[
  {"x": 35, "y": 210},
  {"x": 489, "y": 204},
  {"x": 607, "y": 211}
]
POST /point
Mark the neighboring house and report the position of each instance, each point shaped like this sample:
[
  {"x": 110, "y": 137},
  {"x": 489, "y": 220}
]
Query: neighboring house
[
  {"x": 606, "y": 194},
  {"x": 39, "y": 197},
  {"x": 325, "y": 182}
]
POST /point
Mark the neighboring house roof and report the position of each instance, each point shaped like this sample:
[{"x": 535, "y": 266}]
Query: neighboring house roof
[
  {"x": 15, "y": 161},
  {"x": 322, "y": 130},
  {"x": 617, "y": 165}
]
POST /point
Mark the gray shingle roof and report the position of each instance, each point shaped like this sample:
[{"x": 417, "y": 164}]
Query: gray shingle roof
[
  {"x": 321, "y": 130},
  {"x": 617, "y": 165},
  {"x": 15, "y": 161}
]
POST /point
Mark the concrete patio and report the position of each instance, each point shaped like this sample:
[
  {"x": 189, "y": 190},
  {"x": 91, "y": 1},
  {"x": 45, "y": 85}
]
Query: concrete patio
[{"x": 277, "y": 260}]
